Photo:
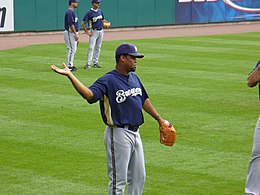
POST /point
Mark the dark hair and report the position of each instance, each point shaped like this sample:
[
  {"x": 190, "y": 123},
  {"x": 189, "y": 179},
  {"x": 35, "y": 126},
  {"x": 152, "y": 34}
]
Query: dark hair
[{"x": 117, "y": 58}]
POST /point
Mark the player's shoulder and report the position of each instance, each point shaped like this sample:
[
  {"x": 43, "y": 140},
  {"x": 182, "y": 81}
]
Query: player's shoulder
[
  {"x": 108, "y": 75},
  {"x": 90, "y": 11},
  {"x": 111, "y": 74},
  {"x": 114, "y": 76},
  {"x": 70, "y": 12}
]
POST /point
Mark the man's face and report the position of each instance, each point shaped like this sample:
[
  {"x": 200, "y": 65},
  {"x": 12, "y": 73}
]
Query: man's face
[
  {"x": 74, "y": 4},
  {"x": 130, "y": 63},
  {"x": 96, "y": 5}
]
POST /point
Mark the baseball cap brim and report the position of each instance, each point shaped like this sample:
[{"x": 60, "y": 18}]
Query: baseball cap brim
[{"x": 138, "y": 55}]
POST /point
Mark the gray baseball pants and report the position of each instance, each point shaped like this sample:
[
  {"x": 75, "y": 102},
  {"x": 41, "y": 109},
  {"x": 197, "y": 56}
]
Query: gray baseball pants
[
  {"x": 71, "y": 43},
  {"x": 125, "y": 161},
  {"x": 95, "y": 43},
  {"x": 253, "y": 175}
]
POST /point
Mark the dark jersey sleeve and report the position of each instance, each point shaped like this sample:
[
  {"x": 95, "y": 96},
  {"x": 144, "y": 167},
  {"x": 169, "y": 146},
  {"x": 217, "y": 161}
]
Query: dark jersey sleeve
[
  {"x": 86, "y": 17},
  {"x": 71, "y": 18},
  {"x": 99, "y": 89},
  {"x": 145, "y": 95}
]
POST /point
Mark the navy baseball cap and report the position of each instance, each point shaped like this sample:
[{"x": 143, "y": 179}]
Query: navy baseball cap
[
  {"x": 96, "y": 1},
  {"x": 73, "y": 1},
  {"x": 129, "y": 49}
]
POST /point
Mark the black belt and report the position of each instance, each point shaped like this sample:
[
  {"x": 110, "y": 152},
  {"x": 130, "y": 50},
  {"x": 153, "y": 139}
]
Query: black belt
[
  {"x": 97, "y": 28},
  {"x": 129, "y": 127}
]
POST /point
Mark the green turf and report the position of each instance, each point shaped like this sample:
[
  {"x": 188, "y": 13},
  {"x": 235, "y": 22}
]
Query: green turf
[{"x": 51, "y": 140}]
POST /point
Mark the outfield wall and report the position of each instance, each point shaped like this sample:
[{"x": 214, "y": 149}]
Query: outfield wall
[{"x": 47, "y": 15}]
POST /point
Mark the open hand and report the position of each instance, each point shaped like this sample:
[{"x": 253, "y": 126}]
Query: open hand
[{"x": 65, "y": 71}]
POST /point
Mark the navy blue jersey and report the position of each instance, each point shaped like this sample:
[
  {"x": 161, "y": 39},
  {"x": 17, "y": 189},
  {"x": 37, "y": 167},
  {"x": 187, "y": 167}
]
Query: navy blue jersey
[
  {"x": 71, "y": 19},
  {"x": 96, "y": 18},
  {"x": 121, "y": 98}
]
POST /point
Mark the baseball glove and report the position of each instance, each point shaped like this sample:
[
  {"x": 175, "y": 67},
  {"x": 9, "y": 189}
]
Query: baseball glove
[
  {"x": 106, "y": 24},
  {"x": 167, "y": 133}
]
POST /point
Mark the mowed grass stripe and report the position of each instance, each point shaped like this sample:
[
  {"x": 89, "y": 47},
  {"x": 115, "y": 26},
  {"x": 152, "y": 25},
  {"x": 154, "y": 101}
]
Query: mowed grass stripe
[
  {"x": 29, "y": 182},
  {"x": 52, "y": 140}
]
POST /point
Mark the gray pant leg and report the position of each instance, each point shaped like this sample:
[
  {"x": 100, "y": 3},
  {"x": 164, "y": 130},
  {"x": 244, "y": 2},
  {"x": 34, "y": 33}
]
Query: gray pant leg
[
  {"x": 98, "y": 46},
  {"x": 92, "y": 41},
  {"x": 71, "y": 43},
  {"x": 125, "y": 161},
  {"x": 95, "y": 42},
  {"x": 136, "y": 170},
  {"x": 253, "y": 175}
]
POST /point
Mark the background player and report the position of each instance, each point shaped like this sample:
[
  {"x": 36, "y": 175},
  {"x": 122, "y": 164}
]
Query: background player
[
  {"x": 253, "y": 175},
  {"x": 122, "y": 98},
  {"x": 95, "y": 18},
  {"x": 71, "y": 36}
]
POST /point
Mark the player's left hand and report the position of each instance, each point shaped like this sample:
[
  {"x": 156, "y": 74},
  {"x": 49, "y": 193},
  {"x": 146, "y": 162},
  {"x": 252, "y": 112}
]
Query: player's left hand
[
  {"x": 106, "y": 24},
  {"x": 167, "y": 133}
]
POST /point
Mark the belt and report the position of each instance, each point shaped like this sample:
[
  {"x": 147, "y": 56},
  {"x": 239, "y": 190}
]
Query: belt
[
  {"x": 71, "y": 31},
  {"x": 129, "y": 127},
  {"x": 97, "y": 28}
]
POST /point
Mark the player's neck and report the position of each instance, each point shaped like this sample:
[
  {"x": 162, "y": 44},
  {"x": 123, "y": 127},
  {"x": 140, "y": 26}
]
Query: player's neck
[
  {"x": 71, "y": 7},
  {"x": 121, "y": 71},
  {"x": 94, "y": 9}
]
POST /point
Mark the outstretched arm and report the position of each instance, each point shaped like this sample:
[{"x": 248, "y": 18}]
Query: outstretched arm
[
  {"x": 81, "y": 89},
  {"x": 148, "y": 107}
]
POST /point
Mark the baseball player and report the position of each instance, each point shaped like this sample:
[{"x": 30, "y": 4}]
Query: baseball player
[
  {"x": 122, "y": 97},
  {"x": 95, "y": 18},
  {"x": 253, "y": 174},
  {"x": 71, "y": 36}
]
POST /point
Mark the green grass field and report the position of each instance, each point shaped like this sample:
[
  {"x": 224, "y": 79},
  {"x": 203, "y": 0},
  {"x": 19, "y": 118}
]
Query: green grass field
[{"x": 51, "y": 140}]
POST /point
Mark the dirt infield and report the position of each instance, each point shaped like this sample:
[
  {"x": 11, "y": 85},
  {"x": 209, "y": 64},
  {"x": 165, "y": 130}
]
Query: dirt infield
[{"x": 14, "y": 40}]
